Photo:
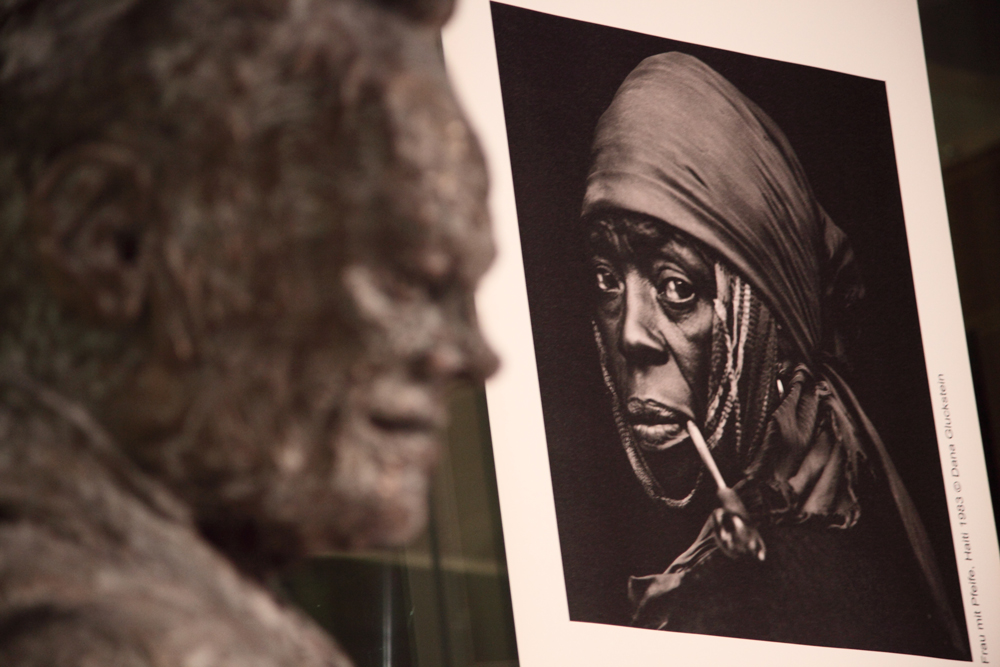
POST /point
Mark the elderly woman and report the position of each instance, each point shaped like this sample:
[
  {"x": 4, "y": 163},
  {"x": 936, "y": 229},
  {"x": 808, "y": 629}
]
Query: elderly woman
[{"x": 721, "y": 283}]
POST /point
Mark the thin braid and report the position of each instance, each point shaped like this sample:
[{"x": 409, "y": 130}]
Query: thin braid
[{"x": 743, "y": 367}]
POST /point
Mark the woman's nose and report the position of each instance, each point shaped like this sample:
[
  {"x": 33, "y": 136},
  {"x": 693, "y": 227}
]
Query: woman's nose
[{"x": 642, "y": 341}]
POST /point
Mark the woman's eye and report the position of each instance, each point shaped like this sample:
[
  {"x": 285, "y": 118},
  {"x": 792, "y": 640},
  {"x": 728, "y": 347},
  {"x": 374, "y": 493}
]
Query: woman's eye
[
  {"x": 677, "y": 292},
  {"x": 607, "y": 282}
]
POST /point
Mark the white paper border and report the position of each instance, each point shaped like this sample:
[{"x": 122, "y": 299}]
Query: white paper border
[{"x": 879, "y": 40}]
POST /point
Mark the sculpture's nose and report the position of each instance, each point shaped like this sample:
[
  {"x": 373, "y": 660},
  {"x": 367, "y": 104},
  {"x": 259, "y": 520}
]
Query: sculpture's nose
[
  {"x": 482, "y": 360},
  {"x": 471, "y": 360},
  {"x": 461, "y": 352}
]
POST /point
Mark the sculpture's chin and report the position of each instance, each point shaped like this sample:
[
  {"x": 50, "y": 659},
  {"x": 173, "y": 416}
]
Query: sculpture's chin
[
  {"x": 375, "y": 493},
  {"x": 391, "y": 522},
  {"x": 348, "y": 480},
  {"x": 263, "y": 538}
]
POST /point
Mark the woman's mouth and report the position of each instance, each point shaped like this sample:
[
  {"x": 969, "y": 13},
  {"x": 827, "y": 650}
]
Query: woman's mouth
[{"x": 654, "y": 425}]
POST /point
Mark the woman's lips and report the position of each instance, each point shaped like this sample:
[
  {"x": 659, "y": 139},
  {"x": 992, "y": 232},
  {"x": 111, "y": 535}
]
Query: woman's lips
[{"x": 655, "y": 425}]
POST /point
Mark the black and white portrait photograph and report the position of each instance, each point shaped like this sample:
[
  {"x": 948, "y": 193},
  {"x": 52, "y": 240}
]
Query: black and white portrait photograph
[{"x": 737, "y": 415}]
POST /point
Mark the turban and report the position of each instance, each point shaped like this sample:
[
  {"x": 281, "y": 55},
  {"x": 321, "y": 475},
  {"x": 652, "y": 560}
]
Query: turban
[{"x": 683, "y": 145}]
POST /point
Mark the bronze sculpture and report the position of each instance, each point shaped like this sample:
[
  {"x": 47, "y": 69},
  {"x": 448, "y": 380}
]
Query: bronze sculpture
[{"x": 239, "y": 243}]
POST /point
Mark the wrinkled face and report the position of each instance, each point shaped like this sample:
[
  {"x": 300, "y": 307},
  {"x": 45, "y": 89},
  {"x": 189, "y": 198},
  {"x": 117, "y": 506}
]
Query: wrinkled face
[
  {"x": 655, "y": 290},
  {"x": 418, "y": 254},
  {"x": 325, "y": 339}
]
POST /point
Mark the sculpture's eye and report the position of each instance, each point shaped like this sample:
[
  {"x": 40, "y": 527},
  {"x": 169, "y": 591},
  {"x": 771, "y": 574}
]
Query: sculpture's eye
[
  {"x": 677, "y": 292},
  {"x": 607, "y": 281}
]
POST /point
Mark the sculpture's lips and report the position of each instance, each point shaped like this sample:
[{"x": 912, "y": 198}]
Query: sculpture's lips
[
  {"x": 407, "y": 423},
  {"x": 401, "y": 408},
  {"x": 654, "y": 425},
  {"x": 409, "y": 412},
  {"x": 409, "y": 438}
]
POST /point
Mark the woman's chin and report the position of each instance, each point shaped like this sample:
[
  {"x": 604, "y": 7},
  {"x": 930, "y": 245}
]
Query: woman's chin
[{"x": 675, "y": 465}]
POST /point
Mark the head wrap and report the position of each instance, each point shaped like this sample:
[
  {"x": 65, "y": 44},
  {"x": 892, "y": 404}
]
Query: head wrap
[{"x": 681, "y": 144}]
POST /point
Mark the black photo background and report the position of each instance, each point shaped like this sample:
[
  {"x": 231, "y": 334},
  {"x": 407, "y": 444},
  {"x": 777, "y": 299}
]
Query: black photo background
[{"x": 557, "y": 77}]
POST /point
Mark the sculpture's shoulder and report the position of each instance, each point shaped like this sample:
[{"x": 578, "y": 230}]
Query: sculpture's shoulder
[{"x": 90, "y": 575}]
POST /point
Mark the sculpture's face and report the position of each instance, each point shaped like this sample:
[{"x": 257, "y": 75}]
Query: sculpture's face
[
  {"x": 311, "y": 397},
  {"x": 654, "y": 312},
  {"x": 278, "y": 271},
  {"x": 419, "y": 250}
]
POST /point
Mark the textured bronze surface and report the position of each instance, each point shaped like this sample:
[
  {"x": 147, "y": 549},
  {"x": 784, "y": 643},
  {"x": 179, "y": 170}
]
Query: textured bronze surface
[{"x": 239, "y": 243}]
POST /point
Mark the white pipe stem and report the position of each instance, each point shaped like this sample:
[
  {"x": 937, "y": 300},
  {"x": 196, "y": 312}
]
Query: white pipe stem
[{"x": 706, "y": 455}]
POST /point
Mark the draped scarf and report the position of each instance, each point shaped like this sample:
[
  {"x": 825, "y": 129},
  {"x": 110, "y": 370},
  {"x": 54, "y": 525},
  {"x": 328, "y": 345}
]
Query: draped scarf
[{"x": 681, "y": 144}]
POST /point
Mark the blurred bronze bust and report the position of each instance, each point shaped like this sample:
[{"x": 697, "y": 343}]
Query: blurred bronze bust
[{"x": 239, "y": 242}]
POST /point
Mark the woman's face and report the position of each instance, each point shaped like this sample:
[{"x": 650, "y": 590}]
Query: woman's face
[{"x": 655, "y": 292}]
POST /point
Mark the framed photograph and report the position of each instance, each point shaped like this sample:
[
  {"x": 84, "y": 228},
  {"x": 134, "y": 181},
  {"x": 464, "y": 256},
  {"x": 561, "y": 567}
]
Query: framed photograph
[{"x": 735, "y": 419}]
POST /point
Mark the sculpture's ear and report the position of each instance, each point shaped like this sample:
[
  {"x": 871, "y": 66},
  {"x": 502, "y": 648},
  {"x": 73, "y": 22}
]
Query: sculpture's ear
[{"x": 89, "y": 218}]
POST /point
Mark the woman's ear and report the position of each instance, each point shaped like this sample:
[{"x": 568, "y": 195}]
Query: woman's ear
[{"x": 89, "y": 217}]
